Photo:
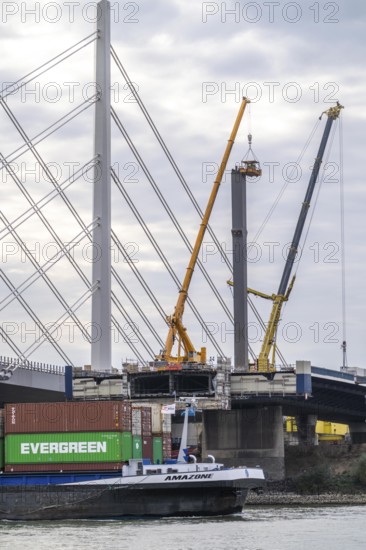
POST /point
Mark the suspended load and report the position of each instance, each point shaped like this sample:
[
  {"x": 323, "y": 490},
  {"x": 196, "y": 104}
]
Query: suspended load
[{"x": 250, "y": 166}]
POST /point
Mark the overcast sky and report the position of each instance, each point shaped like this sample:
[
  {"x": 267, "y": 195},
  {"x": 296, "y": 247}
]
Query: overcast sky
[{"x": 192, "y": 62}]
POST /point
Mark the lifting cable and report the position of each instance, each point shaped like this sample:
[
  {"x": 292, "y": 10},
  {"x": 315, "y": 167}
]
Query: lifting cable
[
  {"x": 343, "y": 248},
  {"x": 250, "y": 137}
]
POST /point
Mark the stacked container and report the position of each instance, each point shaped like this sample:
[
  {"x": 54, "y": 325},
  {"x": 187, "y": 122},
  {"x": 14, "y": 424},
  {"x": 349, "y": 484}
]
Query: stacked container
[
  {"x": 167, "y": 435},
  {"x": 156, "y": 428},
  {"x": 147, "y": 440},
  {"x": 68, "y": 417},
  {"x": 81, "y": 436},
  {"x": 136, "y": 432},
  {"x": 1, "y": 438},
  {"x": 67, "y": 436}
]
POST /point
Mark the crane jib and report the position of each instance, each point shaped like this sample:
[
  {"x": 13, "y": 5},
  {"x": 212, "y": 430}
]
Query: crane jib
[{"x": 305, "y": 207}]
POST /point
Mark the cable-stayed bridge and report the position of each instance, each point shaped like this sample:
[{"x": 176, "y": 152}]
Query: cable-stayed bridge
[{"x": 67, "y": 243}]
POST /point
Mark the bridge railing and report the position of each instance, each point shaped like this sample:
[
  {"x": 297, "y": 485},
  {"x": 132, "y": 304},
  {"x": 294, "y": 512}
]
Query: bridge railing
[{"x": 12, "y": 364}]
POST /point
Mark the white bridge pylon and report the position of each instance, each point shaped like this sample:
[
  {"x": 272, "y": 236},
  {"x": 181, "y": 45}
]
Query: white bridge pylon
[{"x": 94, "y": 281}]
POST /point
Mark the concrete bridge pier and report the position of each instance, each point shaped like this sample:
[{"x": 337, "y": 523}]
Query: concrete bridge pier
[
  {"x": 358, "y": 432},
  {"x": 306, "y": 429},
  {"x": 246, "y": 437}
]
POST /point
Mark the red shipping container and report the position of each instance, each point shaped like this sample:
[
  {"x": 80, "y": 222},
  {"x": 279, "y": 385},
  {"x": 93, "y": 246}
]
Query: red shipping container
[
  {"x": 146, "y": 421},
  {"x": 147, "y": 447},
  {"x": 1, "y": 423},
  {"x": 82, "y": 467},
  {"x": 80, "y": 416}
]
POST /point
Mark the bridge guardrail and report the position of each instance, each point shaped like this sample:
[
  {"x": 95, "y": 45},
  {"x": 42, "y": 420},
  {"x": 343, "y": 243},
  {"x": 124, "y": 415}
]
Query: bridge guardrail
[{"x": 9, "y": 365}]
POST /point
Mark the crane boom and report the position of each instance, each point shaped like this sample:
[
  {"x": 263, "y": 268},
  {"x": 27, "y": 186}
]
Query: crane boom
[
  {"x": 283, "y": 290},
  {"x": 175, "y": 321}
]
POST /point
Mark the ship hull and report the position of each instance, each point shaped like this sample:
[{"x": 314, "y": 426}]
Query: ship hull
[{"x": 53, "y": 502}]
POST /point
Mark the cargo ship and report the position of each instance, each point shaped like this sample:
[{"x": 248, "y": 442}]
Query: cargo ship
[{"x": 105, "y": 460}]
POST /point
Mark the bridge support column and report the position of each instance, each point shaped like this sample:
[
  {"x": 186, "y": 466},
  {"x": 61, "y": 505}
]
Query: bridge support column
[
  {"x": 246, "y": 437},
  {"x": 101, "y": 347},
  {"x": 358, "y": 432},
  {"x": 306, "y": 429},
  {"x": 239, "y": 235}
]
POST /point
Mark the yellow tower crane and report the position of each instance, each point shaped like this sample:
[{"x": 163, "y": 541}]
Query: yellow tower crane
[{"x": 176, "y": 329}]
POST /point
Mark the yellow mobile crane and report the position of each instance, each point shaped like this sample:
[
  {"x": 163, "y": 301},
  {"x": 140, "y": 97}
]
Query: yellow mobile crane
[
  {"x": 174, "y": 321},
  {"x": 269, "y": 342}
]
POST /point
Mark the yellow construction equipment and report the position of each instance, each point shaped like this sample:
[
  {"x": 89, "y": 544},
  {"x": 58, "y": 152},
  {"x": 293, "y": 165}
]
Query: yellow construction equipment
[
  {"x": 269, "y": 341},
  {"x": 330, "y": 432},
  {"x": 176, "y": 329},
  {"x": 250, "y": 166}
]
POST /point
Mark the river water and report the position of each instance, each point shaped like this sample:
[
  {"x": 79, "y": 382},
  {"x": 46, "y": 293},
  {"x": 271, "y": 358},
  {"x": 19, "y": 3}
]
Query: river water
[{"x": 257, "y": 528}]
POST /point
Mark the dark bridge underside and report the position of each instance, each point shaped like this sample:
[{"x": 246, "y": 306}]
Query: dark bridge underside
[
  {"x": 331, "y": 400},
  {"x": 10, "y": 393},
  {"x": 167, "y": 383}
]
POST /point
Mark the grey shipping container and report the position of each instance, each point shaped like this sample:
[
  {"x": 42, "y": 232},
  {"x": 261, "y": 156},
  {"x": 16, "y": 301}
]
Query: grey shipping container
[
  {"x": 166, "y": 423},
  {"x": 68, "y": 417},
  {"x": 136, "y": 421}
]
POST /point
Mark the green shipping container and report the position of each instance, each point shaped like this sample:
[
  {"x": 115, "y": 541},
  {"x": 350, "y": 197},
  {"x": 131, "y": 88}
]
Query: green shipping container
[
  {"x": 2, "y": 458},
  {"x": 126, "y": 443},
  {"x": 136, "y": 446},
  {"x": 158, "y": 450},
  {"x": 67, "y": 447}
]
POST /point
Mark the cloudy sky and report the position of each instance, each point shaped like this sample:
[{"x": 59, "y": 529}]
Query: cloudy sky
[{"x": 191, "y": 63}]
